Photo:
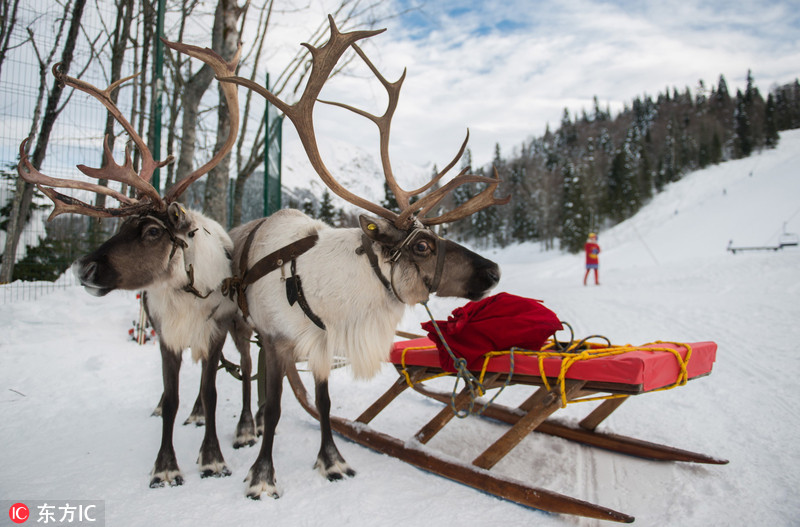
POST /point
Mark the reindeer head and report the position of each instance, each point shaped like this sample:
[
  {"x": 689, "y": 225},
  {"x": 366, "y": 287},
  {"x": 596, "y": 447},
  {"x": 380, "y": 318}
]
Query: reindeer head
[
  {"x": 421, "y": 262},
  {"x": 140, "y": 253},
  {"x": 143, "y": 251}
]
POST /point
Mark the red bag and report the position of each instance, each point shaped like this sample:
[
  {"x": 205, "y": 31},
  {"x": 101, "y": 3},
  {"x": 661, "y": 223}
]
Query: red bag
[{"x": 496, "y": 323}]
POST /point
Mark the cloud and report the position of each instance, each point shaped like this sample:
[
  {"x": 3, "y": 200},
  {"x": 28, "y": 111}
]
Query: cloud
[{"x": 505, "y": 69}]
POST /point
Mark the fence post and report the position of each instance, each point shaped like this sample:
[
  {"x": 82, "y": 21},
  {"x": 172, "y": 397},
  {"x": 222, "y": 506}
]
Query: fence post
[
  {"x": 158, "y": 90},
  {"x": 272, "y": 158}
]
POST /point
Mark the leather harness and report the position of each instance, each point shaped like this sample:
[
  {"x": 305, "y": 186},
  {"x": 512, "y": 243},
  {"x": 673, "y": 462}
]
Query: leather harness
[{"x": 237, "y": 285}]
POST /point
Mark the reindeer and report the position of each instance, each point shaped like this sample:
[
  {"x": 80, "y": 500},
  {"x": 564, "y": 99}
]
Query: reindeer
[
  {"x": 356, "y": 282},
  {"x": 179, "y": 258}
]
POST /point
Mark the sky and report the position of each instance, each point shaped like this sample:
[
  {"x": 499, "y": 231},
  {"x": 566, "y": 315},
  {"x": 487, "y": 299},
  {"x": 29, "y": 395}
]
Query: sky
[{"x": 505, "y": 69}]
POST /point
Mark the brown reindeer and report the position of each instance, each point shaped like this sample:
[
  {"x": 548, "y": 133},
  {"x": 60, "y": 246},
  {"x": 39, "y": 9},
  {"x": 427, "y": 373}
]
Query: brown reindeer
[
  {"x": 356, "y": 282},
  {"x": 177, "y": 256}
]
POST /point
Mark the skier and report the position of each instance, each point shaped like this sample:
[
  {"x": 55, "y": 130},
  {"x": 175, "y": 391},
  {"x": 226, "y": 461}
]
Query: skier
[{"x": 592, "y": 258}]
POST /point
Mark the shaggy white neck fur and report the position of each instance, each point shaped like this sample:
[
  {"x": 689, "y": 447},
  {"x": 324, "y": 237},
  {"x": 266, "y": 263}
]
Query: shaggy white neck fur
[{"x": 187, "y": 321}]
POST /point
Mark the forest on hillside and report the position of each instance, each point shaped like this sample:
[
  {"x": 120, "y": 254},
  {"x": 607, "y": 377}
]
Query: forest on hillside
[{"x": 596, "y": 169}]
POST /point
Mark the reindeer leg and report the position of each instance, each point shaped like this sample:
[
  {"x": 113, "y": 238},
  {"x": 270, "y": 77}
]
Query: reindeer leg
[
  {"x": 261, "y": 478},
  {"x": 330, "y": 462},
  {"x": 245, "y": 429},
  {"x": 198, "y": 415},
  {"x": 210, "y": 460},
  {"x": 166, "y": 469}
]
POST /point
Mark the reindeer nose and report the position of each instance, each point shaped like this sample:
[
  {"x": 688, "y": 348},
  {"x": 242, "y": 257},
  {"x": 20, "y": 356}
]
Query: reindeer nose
[
  {"x": 89, "y": 270},
  {"x": 85, "y": 271},
  {"x": 486, "y": 277},
  {"x": 493, "y": 274}
]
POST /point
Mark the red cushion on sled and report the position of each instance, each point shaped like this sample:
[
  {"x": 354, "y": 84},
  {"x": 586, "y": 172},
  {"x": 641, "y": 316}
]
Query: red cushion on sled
[
  {"x": 650, "y": 369},
  {"x": 498, "y": 322}
]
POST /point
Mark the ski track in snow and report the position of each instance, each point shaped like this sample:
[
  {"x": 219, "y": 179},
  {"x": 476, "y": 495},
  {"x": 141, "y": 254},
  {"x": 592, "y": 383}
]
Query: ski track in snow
[{"x": 76, "y": 394}]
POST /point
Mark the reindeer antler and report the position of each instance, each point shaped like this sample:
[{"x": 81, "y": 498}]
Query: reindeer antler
[
  {"x": 221, "y": 69},
  {"x": 148, "y": 197},
  {"x": 324, "y": 59}
]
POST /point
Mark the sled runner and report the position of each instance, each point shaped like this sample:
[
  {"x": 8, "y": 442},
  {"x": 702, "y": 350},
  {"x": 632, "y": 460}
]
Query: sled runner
[{"x": 556, "y": 378}]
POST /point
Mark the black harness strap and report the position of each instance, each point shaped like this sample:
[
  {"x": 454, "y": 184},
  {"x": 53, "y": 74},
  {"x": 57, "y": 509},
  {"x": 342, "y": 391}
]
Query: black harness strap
[
  {"x": 294, "y": 293},
  {"x": 441, "y": 249},
  {"x": 366, "y": 248},
  {"x": 237, "y": 285}
]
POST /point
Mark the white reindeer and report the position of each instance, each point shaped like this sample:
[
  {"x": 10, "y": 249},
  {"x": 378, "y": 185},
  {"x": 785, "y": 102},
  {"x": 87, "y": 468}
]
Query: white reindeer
[
  {"x": 312, "y": 291},
  {"x": 177, "y": 256}
]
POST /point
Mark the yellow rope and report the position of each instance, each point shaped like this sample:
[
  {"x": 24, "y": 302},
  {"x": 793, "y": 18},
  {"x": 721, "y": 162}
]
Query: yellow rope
[
  {"x": 567, "y": 360},
  {"x": 405, "y": 371}
]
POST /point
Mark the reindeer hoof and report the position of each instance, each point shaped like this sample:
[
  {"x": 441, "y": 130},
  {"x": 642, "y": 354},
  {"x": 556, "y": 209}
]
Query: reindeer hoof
[
  {"x": 212, "y": 465},
  {"x": 173, "y": 478},
  {"x": 334, "y": 471},
  {"x": 257, "y": 497},
  {"x": 215, "y": 473},
  {"x": 261, "y": 481},
  {"x": 197, "y": 420},
  {"x": 245, "y": 432},
  {"x": 239, "y": 443}
]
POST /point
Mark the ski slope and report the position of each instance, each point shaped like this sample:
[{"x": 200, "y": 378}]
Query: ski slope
[{"x": 76, "y": 394}]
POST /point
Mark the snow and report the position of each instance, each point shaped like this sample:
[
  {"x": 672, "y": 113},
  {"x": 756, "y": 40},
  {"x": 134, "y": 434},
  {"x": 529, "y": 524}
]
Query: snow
[{"x": 76, "y": 394}]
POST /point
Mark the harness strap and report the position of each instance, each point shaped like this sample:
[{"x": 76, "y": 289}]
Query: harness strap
[
  {"x": 441, "y": 248},
  {"x": 294, "y": 293},
  {"x": 237, "y": 285},
  {"x": 366, "y": 248},
  {"x": 190, "y": 288}
]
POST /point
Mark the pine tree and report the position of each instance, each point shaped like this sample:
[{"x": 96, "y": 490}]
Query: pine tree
[
  {"x": 308, "y": 208},
  {"x": 326, "y": 210},
  {"x": 389, "y": 201},
  {"x": 623, "y": 194},
  {"x": 744, "y": 140},
  {"x": 771, "y": 136},
  {"x": 575, "y": 217},
  {"x": 523, "y": 223}
]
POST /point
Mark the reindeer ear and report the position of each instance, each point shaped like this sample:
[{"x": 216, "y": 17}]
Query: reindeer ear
[
  {"x": 381, "y": 230},
  {"x": 177, "y": 217}
]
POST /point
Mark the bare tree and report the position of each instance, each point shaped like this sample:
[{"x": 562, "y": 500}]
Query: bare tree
[
  {"x": 119, "y": 40},
  {"x": 24, "y": 191},
  {"x": 8, "y": 20},
  {"x": 225, "y": 41}
]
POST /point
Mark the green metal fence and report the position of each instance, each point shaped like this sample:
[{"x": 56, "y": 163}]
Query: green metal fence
[
  {"x": 46, "y": 249},
  {"x": 34, "y": 40}
]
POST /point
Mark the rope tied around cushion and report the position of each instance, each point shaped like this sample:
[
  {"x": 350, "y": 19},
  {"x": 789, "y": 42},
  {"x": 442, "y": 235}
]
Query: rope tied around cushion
[
  {"x": 571, "y": 356},
  {"x": 473, "y": 384},
  {"x": 569, "y": 353}
]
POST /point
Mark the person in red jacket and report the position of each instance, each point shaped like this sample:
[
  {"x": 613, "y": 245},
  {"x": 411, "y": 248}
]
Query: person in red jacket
[{"x": 592, "y": 257}]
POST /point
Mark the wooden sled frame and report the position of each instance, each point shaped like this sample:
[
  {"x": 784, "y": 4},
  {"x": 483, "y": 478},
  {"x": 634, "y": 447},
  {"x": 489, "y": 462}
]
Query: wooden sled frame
[{"x": 532, "y": 415}]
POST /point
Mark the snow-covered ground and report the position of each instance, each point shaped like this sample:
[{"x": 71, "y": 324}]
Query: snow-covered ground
[{"x": 76, "y": 394}]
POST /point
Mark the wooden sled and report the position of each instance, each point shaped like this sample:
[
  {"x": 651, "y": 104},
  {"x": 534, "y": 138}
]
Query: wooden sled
[{"x": 619, "y": 376}]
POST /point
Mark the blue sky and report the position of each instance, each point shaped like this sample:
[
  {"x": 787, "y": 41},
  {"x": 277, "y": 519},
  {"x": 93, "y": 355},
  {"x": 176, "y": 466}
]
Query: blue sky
[{"x": 505, "y": 69}]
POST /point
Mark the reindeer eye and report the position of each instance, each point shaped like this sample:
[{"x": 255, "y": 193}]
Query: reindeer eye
[
  {"x": 423, "y": 247},
  {"x": 152, "y": 232}
]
